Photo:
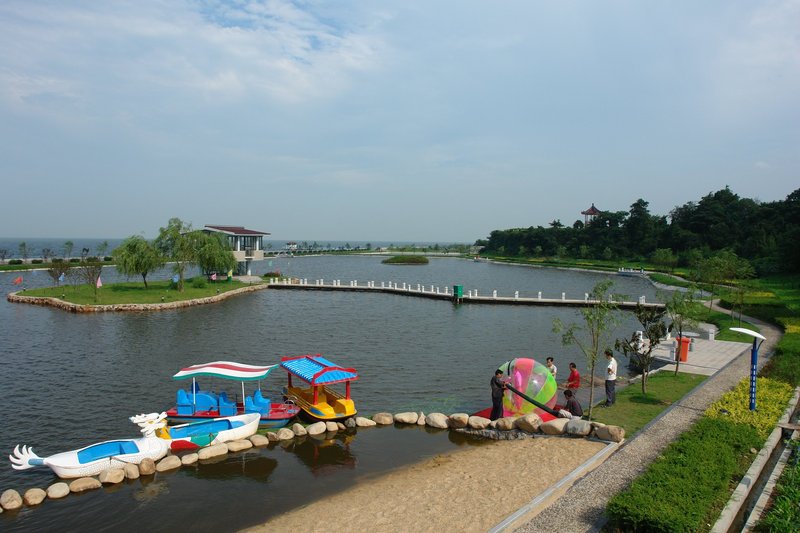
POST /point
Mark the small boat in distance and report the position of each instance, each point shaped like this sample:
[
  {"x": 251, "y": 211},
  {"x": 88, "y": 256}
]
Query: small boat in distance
[
  {"x": 197, "y": 404},
  {"x": 318, "y": 401},
  {"x": 96, "y": 458}
]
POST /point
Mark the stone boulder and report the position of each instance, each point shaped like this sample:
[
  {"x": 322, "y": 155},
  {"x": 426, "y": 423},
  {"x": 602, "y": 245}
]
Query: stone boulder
[
  {"x": 528, "y": 423},
  {"x": 299, "y": 430},
  {"x": 170, "y": 462},
  {"x": 364, "y": 422},
  {"x": 34, "y": 497},
  {"x": 239, "y": 445},
  {"x": 272, "y": 436},
  {"x": 458, "y": 420},
  {"x": 84, "y": 483},
  {"x": 189, "y": 459},
  {"x": 611, "y": 433},
  {"x": 350, "y": 422},
  {"x": 406, "y": 418},
  {"x": 58, "y": 490},
  {"x": 10, "y": 500},
  {"x": 317, "y": 428},
  {"x": 340, "y": 426},
  {"x": 420, "y": 418},
  {"x": 383, "y": 419},
  {"x": 131, "y": 471},
  {"x": 478, "y": 422},
  {"x": 331, "y": 426},
  {"x": 215, "y": 451},
  {"x": 437, "y": 420},
  {"x": 111, "y": 477},
  {"x": 147, "y": 467},
  {"x": 286, "y": 434},
  {"x": 578, "y": 427},
  {"x": 259, "y": 440},
  {"x": 554, "y": 427},
  {"x": 506, "y": 423}
]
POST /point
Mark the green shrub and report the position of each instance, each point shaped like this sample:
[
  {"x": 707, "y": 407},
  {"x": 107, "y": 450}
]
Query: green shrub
[
  {"x": 199, "y": 282},
  {"x": 74, "y": 260},
  {"x": 677, "y": 491},
  {"x": 771, "y": 399},
  {"x": 785, "y": 512},
  {"x": 275, "y": 274},
  {"x": 36, "y": 261},
  {"x": 15, "y": 262},
  {"x": 406, "y": 260},
  {"x": 107, "y": 258},
  {"x": 56, "y": 260}
]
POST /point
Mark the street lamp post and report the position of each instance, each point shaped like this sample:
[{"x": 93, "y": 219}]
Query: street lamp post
[{"x": 758, "y": 338}]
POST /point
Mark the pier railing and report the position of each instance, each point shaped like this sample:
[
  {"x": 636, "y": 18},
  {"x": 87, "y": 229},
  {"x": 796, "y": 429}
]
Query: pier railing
[{"x": 438, "y": 293}]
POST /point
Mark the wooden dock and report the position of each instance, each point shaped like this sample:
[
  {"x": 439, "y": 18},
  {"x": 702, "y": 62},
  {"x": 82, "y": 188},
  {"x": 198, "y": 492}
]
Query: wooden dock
[{"x": 436, "y": 293}]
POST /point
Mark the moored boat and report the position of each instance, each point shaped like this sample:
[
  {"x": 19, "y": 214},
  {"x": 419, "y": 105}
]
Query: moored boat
[
  {"x": 203, "y": 433},
  {"x": 197, "y": 404},
  {"x": 96, "y": 458},
  {"x": 318, "y": 401}
]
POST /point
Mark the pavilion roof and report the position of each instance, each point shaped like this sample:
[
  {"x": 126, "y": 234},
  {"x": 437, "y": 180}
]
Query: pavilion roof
[
  {"x": 591, "y": 211},
  {"x": 235, "y": 230}
]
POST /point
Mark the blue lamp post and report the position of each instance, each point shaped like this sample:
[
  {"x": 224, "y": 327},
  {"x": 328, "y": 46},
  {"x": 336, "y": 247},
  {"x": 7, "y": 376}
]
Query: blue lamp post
[{"x": 758, "y": 338}]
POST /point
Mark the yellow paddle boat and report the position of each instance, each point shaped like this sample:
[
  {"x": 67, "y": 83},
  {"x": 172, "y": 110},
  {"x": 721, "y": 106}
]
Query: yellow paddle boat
[{"x": 318, "y": 401}]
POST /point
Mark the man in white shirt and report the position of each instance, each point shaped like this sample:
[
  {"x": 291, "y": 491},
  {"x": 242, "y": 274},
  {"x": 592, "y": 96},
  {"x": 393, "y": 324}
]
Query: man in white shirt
[
  {"x": 552, "y": 367},
  {"x": 611, "y": 379}
]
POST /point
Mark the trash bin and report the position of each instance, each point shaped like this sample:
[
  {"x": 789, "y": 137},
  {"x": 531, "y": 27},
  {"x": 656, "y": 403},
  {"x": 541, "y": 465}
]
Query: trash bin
[
  {"x": 458, "y": 291},
  {"x": 683, "y": 347}
]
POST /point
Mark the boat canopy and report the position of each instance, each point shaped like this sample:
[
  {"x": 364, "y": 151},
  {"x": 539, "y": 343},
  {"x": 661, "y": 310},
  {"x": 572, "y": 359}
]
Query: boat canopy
[
  {"x": 317, "y": 370},
  {"x": 226, "y": 370}
]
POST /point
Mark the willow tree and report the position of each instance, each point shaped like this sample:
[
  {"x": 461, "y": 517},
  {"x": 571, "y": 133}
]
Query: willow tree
[
  {"x": 214, "y": 253},
  {"x": 178, "y": 244},
  {"x": 593, "y": 336},
  {"x": 137, "y": 256}
]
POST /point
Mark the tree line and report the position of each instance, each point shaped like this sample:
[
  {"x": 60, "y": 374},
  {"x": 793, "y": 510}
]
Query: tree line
[{"x": 766, "y": 233}]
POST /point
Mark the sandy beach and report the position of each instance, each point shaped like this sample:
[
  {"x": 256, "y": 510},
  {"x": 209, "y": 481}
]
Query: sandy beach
[{"x": 466, "y": 490}]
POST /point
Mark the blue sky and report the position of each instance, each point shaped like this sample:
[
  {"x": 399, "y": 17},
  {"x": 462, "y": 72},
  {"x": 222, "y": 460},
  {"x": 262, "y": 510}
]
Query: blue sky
[{"x": 390, "y": 121}]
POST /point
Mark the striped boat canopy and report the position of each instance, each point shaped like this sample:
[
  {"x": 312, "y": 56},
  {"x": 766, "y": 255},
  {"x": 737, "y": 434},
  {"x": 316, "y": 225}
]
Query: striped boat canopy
[
  {"x": 226, "y": 370},
  {"x": 317, "y": 370}
]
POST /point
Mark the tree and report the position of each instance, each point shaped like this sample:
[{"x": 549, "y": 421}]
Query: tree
[
  {"x": 639, "y": 352},
  {"x": 682, "y": 310},
  {"x": 598, "y": 320},
  {"x": 68, "y": 249},
  {"x": 137, "y": 256},
  {"x": 3, "y": 255},
  {"x": 23, "y": 251},
  {"x": 89, "y": 272},
  {"x": 58, "y": 268},
  {"x": 102, "y": 248},
  {"x": 214, "y": 253},
  {"x": 177, "y": 243},
  {"x": 665, "y": 257},
  {"x": 47, "y": 253}
]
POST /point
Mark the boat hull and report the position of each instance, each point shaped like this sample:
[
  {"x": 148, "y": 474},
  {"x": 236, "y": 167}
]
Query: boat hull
[
  {"x": 68, "y": 465},
  {"x": 199, "y": 434}
]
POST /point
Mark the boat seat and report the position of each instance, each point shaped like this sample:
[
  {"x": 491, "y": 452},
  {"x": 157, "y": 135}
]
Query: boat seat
[
  {"x": 259, "y": 400},
  {"x": 184, "y": 403},
  {"x": 226, "y": 407},
  {"x": 251, "y": 407}
]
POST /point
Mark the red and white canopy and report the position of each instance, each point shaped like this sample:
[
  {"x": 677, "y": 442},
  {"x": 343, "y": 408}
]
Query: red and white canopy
[{"x": 225, "y": 370}]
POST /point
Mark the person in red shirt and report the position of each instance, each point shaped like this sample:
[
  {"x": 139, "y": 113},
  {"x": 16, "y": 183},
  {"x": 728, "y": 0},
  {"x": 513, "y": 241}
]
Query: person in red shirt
[{"x": 574, "y": 378}]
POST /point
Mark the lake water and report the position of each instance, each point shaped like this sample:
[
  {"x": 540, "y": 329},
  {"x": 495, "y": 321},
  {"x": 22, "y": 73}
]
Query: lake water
[{"x": 69, "y": 380}]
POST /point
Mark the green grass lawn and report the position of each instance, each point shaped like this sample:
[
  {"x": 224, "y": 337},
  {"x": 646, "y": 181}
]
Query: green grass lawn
[
  {"x": 134, "y": 292},
  {"x": 633, "y": 409}
]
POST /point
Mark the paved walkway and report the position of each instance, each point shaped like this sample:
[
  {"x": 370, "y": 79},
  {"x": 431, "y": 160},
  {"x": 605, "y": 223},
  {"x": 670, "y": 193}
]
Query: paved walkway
[{"x": 581, "y": 508}]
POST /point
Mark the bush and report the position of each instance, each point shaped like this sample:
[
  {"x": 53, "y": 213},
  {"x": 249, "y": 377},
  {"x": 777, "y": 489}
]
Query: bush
[
  {"x": 771, "y": 399},
  {"x": 57, "y": 260},
  {"x": 276, "y": 274},
  {"x": 199, "y": 282},
  {"x": 107, "y": 258},
  {"x": 15, "y": 262},
  {"x": 74, "y": 260},
  {"x": 406, "y": 260},
  {"x": 785, "y": 512},
  {"x": 692, "y": 476},
  {"x": 36, "y": 261}
]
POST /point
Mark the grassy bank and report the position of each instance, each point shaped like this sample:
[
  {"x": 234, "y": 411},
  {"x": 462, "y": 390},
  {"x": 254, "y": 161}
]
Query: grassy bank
[
  {"x": 633, "y": 409},
  {"x": 406, "y": 260},
  {"x": 135, "y": 293}
]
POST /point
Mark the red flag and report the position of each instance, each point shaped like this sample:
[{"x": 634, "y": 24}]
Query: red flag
[
  {"x": 99, "y": 283},
  {"x": 17, "y": 280}
]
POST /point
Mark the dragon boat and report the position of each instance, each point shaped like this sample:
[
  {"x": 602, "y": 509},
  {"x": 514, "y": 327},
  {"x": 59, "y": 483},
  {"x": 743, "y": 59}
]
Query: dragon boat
[
  {"x": 203, "y": 433},
  {"x": 197, "y": 404},
  {"x": 96, "y": 458},
  {"x": 318, "y": 401}
]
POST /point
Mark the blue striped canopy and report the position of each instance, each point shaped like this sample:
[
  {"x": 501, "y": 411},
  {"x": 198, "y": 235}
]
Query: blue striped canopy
[{"x": 317, "y": 370}]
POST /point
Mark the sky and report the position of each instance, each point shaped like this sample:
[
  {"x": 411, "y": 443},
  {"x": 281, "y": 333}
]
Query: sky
[{"x": 434, "y": 121}]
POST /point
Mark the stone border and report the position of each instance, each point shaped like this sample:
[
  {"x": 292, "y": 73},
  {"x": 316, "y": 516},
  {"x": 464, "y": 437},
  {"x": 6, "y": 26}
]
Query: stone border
[{"x": 58, "y": 303}]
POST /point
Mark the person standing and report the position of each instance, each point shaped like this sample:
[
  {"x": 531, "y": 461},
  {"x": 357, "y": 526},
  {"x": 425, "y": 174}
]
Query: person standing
[
  {"x": 552, "y": 367},
  {"x": 498, "y": 387},
  {"x": 611, "y": 378},
  {"x": 574, "y": 378}
]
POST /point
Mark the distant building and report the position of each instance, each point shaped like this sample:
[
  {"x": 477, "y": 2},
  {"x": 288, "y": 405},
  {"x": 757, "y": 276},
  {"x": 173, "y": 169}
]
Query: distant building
[
  {"x": 590, "y": 214},
  {"x": 247, "y": 245}
]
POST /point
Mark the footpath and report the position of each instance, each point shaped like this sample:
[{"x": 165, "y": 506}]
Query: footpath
[{"x": 582, "y": 507}]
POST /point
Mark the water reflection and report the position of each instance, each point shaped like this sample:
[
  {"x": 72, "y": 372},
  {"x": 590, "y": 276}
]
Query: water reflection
[
  {"x": 325, "y": 454},
  {"x": 251, "y": 464}
]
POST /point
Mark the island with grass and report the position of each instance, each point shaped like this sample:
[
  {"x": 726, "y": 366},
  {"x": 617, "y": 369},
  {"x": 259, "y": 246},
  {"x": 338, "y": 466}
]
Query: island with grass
[{"x": 406, "y": 260}]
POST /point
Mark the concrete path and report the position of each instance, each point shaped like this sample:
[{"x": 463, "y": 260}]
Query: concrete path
[{"x": 582, "y": 507}]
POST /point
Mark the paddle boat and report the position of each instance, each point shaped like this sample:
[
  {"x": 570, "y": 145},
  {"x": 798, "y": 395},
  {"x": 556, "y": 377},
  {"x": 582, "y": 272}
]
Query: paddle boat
[
  {"x": 196, "y": 404},
  {"x": 96, "y": 458},
  {"x": 196, "y": 435},
  {"x": 319, "y": 402}
]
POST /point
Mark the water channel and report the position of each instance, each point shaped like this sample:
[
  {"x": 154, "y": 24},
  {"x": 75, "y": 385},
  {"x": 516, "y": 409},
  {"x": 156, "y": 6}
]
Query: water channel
[{"x": 70, "y": 380}]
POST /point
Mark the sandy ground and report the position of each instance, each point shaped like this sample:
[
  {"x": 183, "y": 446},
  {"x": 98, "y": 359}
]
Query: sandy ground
[{"x": 466, "y": 490}]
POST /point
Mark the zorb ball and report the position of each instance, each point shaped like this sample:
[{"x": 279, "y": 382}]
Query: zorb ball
[{"x": 532, "y": 379}]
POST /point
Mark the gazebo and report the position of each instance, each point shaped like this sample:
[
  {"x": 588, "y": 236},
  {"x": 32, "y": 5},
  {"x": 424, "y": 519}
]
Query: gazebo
[{"x": 590, "y": 214}]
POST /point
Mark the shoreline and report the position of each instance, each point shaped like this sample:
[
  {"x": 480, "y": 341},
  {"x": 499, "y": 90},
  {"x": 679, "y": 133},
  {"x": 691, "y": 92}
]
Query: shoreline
[{"x": 472, "y": 489}]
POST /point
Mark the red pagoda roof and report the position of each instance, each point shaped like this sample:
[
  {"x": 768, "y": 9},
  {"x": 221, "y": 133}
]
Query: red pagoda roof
[{"x": 591, "y": 211}]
